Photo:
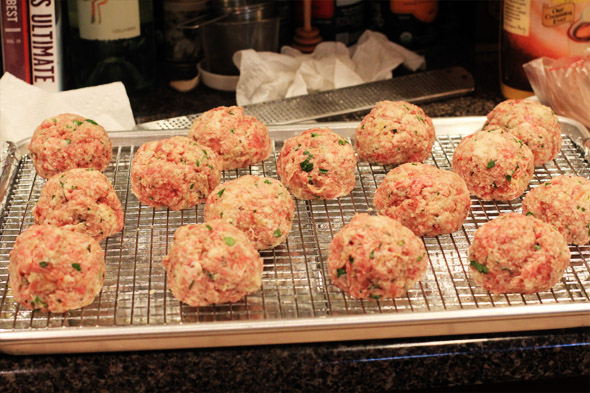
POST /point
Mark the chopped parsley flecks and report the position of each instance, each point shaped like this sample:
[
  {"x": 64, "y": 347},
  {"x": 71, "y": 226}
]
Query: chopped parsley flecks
[
  {"x": 229, "y": 241},
  {"x": 306, "y": 166},
  {"x": 419, "y": 258},
  {"x": 547, "y": 183},
  {"x": 43, "y": 264},
  {"x": 220, "y": 193},
  {"x": 232, "y": 131},
  {"x": 77, "y": 122},
  {"x": 198, "y": 163},
  {"x": 351, "y": 259},
  {"x": 372, "y": 255},
  {"x": 508, "y": 177},
  {"x": 91, "y": 121},
  {"x": 208, "y": 227},
  {"x": 324, "y": 171},
  {"x": 278, "y": 233},
  {"x": 204, "y": 152},
  {"x": 77, "y": 266},
  {"x": 191, "y": 284},
  {"x": 537, "y": 247},
  {"x": 343, "y": 142},
  {"x": 376, "y": 297},
  {"x": 479, "y": 267},
  {"x": 192, "y": 186},
  {"x": 401, "y": 243},
  {"x": 394, "y": 130},
  {"x": 221, "y": 215},
  {"x": 340, "y": 272},
  {"x": 41, "y": 302},
  {"x": 529, "y": 213},
  {"x": 68, "y": 141},
  {"x": 313, "y": 135},
  {"x": 491, "y": 164},
  {"x": 420, "y": 118},
  {"x": 267, "y": 181}
]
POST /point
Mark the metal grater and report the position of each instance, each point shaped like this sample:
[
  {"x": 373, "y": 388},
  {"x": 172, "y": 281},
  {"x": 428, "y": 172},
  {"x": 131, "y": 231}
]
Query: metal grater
[{"x": 415, "y": 88}]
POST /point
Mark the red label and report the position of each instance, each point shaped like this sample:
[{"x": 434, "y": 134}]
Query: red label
[
  {"x": 15, "y": 38},
  {"x": 322, "y": 9}
]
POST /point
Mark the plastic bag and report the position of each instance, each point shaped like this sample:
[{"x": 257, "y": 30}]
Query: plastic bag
[{"x": 563, "y": 84}]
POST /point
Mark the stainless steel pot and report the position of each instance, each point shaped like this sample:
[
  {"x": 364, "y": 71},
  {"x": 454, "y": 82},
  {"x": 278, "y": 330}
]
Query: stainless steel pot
[{"x": 235, "y": 25}]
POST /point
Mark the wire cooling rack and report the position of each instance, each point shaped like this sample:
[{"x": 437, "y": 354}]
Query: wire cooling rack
[{"x": 296, "y": 295}]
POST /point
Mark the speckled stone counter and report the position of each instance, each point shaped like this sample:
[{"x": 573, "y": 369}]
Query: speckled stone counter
[
  {"x": 556, "y": 360},
  {"x": 534, "y": 360}
]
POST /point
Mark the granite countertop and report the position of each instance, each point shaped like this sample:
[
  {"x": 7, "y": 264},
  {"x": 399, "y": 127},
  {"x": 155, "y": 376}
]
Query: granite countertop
[{"x": 551, "y": 360}]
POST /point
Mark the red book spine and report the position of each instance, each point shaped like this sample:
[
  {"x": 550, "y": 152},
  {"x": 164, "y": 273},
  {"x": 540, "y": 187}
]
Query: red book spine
[{"x": 16, "y": 57}]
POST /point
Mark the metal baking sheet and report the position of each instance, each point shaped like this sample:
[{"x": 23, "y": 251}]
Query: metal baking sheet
[{"x": 297, "y": 302}]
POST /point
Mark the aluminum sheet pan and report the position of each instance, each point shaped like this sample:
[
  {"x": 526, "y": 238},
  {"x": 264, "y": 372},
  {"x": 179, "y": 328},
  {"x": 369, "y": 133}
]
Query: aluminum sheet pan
[{"x": 297, "y": 302}]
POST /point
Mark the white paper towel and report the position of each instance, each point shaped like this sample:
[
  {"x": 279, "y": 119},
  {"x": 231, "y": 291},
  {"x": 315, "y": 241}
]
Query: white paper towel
[
  {"x": 23, "y": 107},
  {"x": 266, "y": 76}
]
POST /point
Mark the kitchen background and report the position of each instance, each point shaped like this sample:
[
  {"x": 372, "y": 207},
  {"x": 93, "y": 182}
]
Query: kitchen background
[
  {"x": 459, "y": 33},
  {"x": 169, "y": 48}
]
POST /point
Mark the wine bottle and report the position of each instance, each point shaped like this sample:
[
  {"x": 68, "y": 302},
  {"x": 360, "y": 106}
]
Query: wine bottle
[{"x": 111, "y": 40}]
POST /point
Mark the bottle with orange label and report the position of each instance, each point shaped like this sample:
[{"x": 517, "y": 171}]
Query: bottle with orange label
[
  {"x": 539, "y": 28},
  {"x": 339, "y": 20},
  {"x": 411, "y": 22}
]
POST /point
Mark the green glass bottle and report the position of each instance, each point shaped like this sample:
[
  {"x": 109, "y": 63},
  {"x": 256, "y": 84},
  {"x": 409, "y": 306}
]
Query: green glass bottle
[{"x": 111, "y": 40}]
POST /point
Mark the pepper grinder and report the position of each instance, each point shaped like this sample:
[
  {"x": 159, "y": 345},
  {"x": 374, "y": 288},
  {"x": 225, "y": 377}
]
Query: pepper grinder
[{"x": 306, "y": 37}]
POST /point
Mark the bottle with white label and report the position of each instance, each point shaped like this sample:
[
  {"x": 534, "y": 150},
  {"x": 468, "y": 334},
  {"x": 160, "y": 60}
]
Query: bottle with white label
[
  {"x": 111, "y": 40},
  {"x": 539, "y": 28}
]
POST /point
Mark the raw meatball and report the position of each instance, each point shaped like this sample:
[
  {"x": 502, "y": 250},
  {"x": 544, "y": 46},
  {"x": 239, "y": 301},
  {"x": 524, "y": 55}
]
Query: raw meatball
[
  {"x": 533, "y": 123},
  {"x": 317, "y": 164},
  {"x": 376, "y": 257},
  {"x": 56, "y": 270},
  {"x": 241, "y": 140},
  {"x": 517, "y": 254},
  {"x": 428, "y": 200},
  {"x": 563, "y": 202},
  {"x": 494, "y": 164},
  {"x": 260, "y": 206},
  {"x": 80, "y": 200},
  {"x": 394, "y": 132},
  {"x": 176, "y": 173},
  {"x": 69, "y": 141},
  {"x": 212, "y": 263}
]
